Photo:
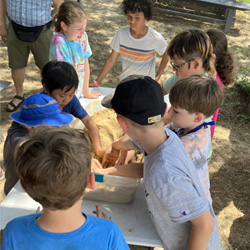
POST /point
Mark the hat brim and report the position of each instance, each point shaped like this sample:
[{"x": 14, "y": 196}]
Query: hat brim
[
  {"x": 55, "y": 120},
  {"x": 106, "y": 101}
]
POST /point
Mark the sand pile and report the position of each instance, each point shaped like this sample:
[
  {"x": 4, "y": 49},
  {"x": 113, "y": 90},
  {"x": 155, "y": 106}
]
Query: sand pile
[{"x": 110, "y": 130}]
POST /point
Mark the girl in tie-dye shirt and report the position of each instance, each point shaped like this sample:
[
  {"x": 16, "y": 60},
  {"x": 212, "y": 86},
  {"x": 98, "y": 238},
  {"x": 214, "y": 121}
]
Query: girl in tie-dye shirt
[{"x": 70, "y": 44}]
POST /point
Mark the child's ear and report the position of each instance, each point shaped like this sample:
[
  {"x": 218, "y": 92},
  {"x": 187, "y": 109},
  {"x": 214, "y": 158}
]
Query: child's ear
[
  {"x": 123, "y": 123},
  {"x": 63, "y": 25},
  {"x": 197, "y": 63},
  {"x": 91, "y": 181},
  {"x": 198, "y": 117},
  {"x": 45, "y": 89}
]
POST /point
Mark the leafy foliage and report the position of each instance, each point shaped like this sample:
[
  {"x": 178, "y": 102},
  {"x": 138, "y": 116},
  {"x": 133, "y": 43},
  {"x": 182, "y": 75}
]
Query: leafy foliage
[{"x": 244, "y": 86}]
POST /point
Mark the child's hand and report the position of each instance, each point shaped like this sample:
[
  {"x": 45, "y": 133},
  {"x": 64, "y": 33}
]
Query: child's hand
[
  {"x": 95, "y": 165},
  {"x": 122, "y": 158},
  {"x": 101, "y": 214},
  {"x": 94, "y": 84},
  {"x": 157, "y": 77},
  {"x": 110, "y": 157},
  {"x": 92, "y": 95}
]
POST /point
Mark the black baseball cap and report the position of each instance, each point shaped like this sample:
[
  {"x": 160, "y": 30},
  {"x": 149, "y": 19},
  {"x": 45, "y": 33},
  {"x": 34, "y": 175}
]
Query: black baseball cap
[{"x": 141, "y": 100}]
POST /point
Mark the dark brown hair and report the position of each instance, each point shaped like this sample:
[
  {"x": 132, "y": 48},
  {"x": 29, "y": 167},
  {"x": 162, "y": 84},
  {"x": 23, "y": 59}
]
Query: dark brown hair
[
  {"x": 59, "y": 75},
  {"x": 144, "y": 6},
  {"x": 224, "y": 62}
]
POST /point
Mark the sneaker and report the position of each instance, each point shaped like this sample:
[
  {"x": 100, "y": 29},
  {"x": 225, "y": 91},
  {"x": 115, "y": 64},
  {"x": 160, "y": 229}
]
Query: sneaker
[{"x": 1, "y": 174}]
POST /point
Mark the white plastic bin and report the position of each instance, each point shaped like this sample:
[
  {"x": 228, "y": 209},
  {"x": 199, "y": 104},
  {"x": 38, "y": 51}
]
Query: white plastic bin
[{"x": 113, "y": 189}]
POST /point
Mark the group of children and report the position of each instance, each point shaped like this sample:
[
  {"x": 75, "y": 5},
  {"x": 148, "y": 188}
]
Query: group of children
[{"x": 54, "y": 164}]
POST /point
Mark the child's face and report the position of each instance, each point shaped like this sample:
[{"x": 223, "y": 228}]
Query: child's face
[
  {"x": 136, "y": 20},
  {"x": 185, "y": 68},
  {"x": 181, "y": 118},
  {"x": 74, "y": 31},
  {"x": 62, "y": 97}
]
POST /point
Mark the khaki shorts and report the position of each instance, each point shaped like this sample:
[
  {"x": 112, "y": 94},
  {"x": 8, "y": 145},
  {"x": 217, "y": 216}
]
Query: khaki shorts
[{"x": 18, "y": 51}]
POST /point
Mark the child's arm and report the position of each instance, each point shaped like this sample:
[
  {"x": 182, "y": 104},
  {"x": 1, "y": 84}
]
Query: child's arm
[
  {"x": 202, "y": 229},
  {"x": 113, "y": 151},
  {"x": 86, "y": 93},
  {"x": 94, "y": 135},
  {"x": 162, "y": 66},
  {"x": 109, "y": 64},
  {"x": 169, "y": 83},
  {"x": 126, "y": 157},
  {"x": 133, "y": 170}
]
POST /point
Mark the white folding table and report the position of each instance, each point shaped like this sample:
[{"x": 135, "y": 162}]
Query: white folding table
[{"x": 133, "y": 218}]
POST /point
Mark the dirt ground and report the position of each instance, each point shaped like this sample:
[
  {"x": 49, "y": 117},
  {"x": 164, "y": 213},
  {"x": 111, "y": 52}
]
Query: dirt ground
[{"x": 229, "y": 168}]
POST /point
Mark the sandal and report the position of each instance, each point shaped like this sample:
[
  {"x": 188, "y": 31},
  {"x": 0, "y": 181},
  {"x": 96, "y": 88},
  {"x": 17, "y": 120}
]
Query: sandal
[{"x": 15, "y": 107}]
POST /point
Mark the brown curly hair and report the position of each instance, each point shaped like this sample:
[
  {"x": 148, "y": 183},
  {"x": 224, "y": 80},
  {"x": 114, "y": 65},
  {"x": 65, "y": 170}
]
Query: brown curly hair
[
  {"x": 144, "y": 6},
  {"x": 224, "y": 62}
]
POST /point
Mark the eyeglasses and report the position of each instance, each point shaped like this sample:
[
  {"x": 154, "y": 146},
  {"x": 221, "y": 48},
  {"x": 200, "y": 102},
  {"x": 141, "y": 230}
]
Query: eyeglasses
[{"x": 180, "y": 66}]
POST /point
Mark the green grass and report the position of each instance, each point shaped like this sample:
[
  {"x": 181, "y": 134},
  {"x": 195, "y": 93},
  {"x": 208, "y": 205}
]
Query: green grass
[
  {"x": 245, "y": 1},
  {"x": 244, "y": 86},
  {"x": 245, "y": 117},
  {"x": 244, "y": 52}
]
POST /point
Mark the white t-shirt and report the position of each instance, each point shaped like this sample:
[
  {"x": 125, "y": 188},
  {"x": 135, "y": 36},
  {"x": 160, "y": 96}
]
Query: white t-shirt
[{"x": 138, "y": 55}]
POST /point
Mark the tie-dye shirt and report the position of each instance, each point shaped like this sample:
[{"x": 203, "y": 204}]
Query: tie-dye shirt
[
  {"x": 197, "y": 145},
  {"x": 61, "y": 49},
  {"x": 138, "y": 55}
]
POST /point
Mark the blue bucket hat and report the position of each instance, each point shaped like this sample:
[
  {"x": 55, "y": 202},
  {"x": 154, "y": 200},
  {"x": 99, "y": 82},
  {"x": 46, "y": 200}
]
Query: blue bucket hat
[{"x": 41, "y": 109}]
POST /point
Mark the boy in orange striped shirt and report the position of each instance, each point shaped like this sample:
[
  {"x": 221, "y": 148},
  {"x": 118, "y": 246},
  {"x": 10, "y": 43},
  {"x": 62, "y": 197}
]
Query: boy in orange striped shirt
[{"x": 137, "y": 44}]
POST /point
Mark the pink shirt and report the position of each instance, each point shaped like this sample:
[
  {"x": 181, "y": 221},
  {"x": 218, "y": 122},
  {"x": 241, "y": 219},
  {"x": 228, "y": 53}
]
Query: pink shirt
[{"x": 215, "y": 115}]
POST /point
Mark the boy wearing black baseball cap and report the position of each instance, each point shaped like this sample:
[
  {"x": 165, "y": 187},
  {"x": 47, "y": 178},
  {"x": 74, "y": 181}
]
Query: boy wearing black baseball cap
[{"x": 182, "y": 214}]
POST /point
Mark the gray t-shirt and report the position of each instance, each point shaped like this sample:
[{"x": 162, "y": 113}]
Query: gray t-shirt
[{"x": 174, "y": 194}]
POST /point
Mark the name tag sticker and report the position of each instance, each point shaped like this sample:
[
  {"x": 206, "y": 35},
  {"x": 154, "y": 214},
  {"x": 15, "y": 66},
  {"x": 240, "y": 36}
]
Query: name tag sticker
[{"x": 80, "y": 68}]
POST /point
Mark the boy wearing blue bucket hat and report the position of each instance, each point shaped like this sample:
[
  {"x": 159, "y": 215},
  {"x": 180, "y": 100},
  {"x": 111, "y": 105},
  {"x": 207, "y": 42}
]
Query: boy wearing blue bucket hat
[{"x": 38, "y": 109}]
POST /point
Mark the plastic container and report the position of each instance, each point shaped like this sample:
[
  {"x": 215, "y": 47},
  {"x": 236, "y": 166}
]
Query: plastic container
[{"x": 113, "y": 189}]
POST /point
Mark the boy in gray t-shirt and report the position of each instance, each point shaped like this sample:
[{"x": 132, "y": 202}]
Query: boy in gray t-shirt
[{"x": 182, "y": 215}]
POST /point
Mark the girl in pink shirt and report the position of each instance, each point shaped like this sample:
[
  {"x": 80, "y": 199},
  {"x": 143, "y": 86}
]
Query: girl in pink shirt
[{"x": 224, "y": 63}]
